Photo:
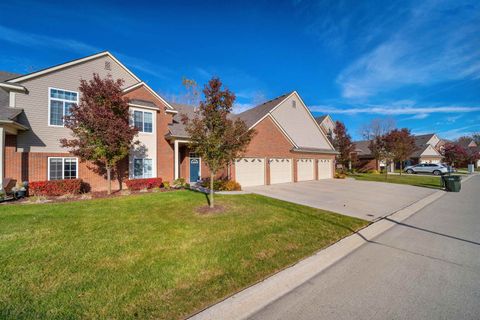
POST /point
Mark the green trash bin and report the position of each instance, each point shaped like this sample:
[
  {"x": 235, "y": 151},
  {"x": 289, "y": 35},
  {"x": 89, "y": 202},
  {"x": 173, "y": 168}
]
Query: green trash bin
[{"x": 452, "y": 183}]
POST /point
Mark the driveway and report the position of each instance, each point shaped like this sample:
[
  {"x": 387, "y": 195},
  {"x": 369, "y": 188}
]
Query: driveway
[
  {"x": 362, "y": 199},
  {"x": 426, "y": 267}
]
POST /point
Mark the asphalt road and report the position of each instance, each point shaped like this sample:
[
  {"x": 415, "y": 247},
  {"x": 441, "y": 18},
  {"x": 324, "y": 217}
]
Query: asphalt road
[{"x": 427, "y": 267}]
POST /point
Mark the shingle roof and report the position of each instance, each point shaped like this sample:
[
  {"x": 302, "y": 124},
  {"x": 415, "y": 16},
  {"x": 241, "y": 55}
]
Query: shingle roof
[
  {"x": 362, "y": 148},
  {"x": 7, "y": 113},
  {"x": 422, "y": 139},
  {"x": 251, "y": 116},
  {"x": 321, "y": 118}
]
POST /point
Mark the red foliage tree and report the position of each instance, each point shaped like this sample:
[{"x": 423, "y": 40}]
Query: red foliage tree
[
  {"x": 214, "y": 136},
  {"x": 400, "y": 144},
  {"x": 100, "y": 124},
  {"x": 343, "y": 144},
  {"x": 454, "y": 154}
]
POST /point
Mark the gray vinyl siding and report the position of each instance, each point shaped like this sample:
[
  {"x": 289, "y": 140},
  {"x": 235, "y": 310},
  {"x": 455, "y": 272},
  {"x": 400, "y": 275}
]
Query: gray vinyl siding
[
  {"x": 299, "y": 125},
  {"x": 41, "y": 137}
]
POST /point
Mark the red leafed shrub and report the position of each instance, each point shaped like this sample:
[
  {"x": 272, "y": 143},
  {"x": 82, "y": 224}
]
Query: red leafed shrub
[
  {"x": 55, "y": 187},
  {"x": 140, "y": 184}
]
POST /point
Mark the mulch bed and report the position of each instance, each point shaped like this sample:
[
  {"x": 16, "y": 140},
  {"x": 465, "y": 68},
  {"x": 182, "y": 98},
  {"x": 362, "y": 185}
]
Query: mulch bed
[{"x": 217, "y": 209}]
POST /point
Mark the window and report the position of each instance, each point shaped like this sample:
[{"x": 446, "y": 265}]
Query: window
[
  {"x": 62, "y": 168},
  {"x": 142, "y": 168},
  {"x": 60, "y": 103},
  {"x": 143, "y": 121},
  {"x": 294, "y": 104}
]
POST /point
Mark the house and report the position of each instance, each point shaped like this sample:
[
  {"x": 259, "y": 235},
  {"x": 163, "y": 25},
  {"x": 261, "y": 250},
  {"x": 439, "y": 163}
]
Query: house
[
  {"x": 472, "y": 149},
  {"x": 289, "y": 144},
  {"x": 428, "y": 149},
  {"x": 327, "y": 125}
]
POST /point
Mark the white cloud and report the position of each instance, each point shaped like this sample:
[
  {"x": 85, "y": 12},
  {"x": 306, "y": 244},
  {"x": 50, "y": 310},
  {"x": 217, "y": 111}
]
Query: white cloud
[
  {"x": 240, "y": 107},
  {"x": 438, "y": 42}
]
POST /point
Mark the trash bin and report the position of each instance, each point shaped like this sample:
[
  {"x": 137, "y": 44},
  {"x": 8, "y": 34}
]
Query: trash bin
[{"x": 452, "y": 183}]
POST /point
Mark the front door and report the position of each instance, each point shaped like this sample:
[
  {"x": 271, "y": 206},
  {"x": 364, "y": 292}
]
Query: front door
[{"x": 194, "y": 169}]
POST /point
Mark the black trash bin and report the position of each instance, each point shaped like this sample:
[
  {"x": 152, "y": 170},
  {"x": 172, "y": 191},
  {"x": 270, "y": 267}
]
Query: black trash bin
[{"x": 452, "y": 183}]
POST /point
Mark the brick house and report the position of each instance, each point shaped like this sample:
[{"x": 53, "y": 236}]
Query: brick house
[{"x": 289, "y": 144}]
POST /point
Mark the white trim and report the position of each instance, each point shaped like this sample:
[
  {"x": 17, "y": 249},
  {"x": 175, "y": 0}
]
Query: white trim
[
  {"x": 58, "y": 99},
  {"x": 270, "y": 111},
  {"x": 137, "y": 85},
  {"x": 143, "y": 121},
  {"x": 171, "y": 111},
  {"x": 13, "y": 87},
  {"x": 72, "y": 63},
  {"x": 63, "y": 167},
  {"x": 11, "y": 99},
  {"x": 176, "y": 157},
  {"x": 143, "y": 107}
]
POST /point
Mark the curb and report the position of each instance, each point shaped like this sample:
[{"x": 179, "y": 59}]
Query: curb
[{"x": 247, "y": 302}]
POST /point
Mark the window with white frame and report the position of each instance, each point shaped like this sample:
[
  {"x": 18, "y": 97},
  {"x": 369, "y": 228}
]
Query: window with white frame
[
  {"x": 60, "y": 168},
  {"x": 143, "y": 121},
  {"x": 142, "y": 168},
  {"x": 60, "y": 103}
]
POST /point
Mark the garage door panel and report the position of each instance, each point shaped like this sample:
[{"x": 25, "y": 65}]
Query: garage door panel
[
  {"x": 305, "y": 169},
  {"x": 250, "y": 171},
  {"x": 325, "y": 169},
  {"x": 280, "y": 170}
]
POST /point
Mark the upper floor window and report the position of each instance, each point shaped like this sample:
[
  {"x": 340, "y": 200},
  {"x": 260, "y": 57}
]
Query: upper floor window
[
  {"x": 143, "y": 121},
  {"x": 60, "y": 103}
]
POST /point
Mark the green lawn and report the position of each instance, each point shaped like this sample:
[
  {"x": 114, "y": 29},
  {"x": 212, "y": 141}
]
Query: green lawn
[
  {"x": 149, "y": 256},
  {"x": 414, "y": 180}
]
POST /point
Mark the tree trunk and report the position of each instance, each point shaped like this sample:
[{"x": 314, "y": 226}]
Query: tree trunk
[
  {"x": 377, "y": 165},
  {"x": 109, "y": 179},
  {"x": 211, "y": 189},
  {"x": 386, "y": 169},
  {"x": 401, "y": 167}
]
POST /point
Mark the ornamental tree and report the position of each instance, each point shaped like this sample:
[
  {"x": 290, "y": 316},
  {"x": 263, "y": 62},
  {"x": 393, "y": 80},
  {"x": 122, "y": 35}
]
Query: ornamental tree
[
  {"x": 213, "y": 134},
  {"x": 343, "y": 144},
  {"x": 454, "y": 154},
  {"x": 401, "y": 144},
  {"x": 373, "y": 131},
  {"x": 100, "y": 125}
]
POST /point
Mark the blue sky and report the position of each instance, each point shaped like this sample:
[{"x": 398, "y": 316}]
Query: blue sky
[{"x": 415, "y": 61}]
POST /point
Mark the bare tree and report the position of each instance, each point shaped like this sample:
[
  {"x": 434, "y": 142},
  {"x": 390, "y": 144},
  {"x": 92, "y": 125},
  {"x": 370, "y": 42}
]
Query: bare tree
[{"x": 373, "y": 131}]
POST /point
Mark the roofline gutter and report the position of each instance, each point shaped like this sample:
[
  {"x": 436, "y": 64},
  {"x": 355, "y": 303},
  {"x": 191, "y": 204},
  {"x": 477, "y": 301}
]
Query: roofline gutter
[
  {"x": 315, "y": 151},
  {"x": 15, "y": 124},
  {"x": 14, "y": 87}
]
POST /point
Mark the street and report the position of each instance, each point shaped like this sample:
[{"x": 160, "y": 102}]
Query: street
[{"x": 427, "y": 267}]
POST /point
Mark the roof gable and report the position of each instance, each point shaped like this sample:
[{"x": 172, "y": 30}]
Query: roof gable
[{"x": 70, "y": 64}]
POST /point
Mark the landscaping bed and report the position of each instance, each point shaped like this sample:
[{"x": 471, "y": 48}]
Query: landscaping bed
[
  {"x": 151, "y": 255},
  {"x": 434, "y": 182}
]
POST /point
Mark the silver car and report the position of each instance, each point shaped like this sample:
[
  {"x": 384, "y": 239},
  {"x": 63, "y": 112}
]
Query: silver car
[{"x": 434, "y": 168}]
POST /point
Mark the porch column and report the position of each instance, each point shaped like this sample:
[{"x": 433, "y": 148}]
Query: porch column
[
  {"x": 2, "y": 156},
  {"x": 176, "y": 159}
]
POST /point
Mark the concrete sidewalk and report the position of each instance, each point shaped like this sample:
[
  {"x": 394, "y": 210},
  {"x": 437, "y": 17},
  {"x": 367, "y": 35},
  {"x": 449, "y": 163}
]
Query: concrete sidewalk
[{"x": 249, "y": 301}]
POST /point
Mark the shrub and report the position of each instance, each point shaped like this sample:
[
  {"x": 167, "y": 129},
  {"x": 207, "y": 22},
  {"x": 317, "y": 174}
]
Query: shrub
[
  {"x": 222, "y": 185},
  {"x": 55, "y": 187},
  {"x": 179, "y": 183},
  {"x": 166, "y": 185},
  {"x": 373, "y": 171},
  {"x": 140, "y": 184},
  {"x": 232, "y": 186},
  {"x": 339, "y": 175}
]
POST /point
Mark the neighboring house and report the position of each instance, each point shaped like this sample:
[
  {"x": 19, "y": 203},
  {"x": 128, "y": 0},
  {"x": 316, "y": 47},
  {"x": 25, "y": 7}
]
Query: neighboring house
[
  {"x": 327, "y": 125},
  {"x": 472, "y": 148},
  {"x": 428, "y": 149},
  {"x": 289, "y": 144},
  {"x": 32, "y": 111}
]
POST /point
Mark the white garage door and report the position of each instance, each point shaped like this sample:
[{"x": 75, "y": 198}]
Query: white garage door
[
  {"x": 280, "y": 170},
  {"x": 325, "y": 169},
  {"x": 250, "y": 171},
  {"x": 305, "y": 170}
]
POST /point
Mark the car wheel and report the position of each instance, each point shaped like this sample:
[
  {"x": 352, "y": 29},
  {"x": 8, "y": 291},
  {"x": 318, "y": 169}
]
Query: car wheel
[
  {"x": 409, "y": 171},
  {"x": 436, "y": 172}
]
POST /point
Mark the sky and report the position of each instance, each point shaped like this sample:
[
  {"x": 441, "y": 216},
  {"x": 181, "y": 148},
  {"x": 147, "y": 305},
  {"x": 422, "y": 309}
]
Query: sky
[{"x": 417, "y": 62}]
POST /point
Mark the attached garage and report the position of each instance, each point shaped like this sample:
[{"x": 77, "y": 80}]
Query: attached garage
[
  {"x": 280, "y": 170},
  {"x": 250, "y": 171},
  {"x": 305, "y": 170},
  {"x": 325, "y": 169}
]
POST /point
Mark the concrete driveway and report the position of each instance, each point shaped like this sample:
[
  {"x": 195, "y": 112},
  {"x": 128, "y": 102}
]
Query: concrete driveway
[{"x": 362, "y": 199}]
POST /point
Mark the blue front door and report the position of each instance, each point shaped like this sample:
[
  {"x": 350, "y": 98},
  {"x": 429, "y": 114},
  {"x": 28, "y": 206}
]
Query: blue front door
[{"x": 194, "y": 169}]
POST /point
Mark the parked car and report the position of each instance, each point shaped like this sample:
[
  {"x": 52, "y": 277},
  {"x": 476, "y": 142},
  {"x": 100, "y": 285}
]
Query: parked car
[{"x": 434, "y": 168}]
